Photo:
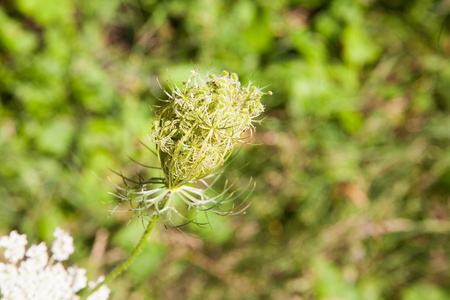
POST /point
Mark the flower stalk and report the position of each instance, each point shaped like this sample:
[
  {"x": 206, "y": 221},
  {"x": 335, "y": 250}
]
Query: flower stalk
[
  {"x": 194, "y": 133},
  {"x": 117, "y": 271}
]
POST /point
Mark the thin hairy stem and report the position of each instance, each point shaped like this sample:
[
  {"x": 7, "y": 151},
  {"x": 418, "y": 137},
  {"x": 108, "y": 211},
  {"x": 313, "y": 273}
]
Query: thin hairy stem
[{"x": 117, "y": 271}]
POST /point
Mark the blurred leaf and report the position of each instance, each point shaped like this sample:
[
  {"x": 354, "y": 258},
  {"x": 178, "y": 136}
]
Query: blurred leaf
[
  {"x": 326, "y": 25},
  {"x": 310, "y": 46},
  {"x": 258, "y": 33},
  {"x": 56, "y": 137},
  {"x": 329, "y": 282},
  {"x": 14, "y": 38},
  {"x": 351, "y": 121},
  {"x": 424, "y": 291},
  {"x": 47, "y": 12},
  {"x": 359, "y": 48}
]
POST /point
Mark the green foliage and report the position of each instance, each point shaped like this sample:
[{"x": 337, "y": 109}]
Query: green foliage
[
  {"x": 351, "y": 163},
  {"x": 424, "y": 291}
]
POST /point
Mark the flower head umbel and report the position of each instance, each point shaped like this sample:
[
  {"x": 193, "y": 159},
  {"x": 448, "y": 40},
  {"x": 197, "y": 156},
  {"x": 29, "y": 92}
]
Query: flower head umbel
[
  {"x": 31, "y": 275},
  {"x": 194, "y": 134},
  {"x": 201, "y": 124}
]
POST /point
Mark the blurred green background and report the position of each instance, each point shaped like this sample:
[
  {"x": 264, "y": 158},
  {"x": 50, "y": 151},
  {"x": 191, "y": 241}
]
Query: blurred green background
[{"x": 352, "y": 162}]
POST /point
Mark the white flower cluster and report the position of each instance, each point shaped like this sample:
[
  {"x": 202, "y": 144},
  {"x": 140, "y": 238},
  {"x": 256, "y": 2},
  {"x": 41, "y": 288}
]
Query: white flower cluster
[{"x": 31, "y": 275}]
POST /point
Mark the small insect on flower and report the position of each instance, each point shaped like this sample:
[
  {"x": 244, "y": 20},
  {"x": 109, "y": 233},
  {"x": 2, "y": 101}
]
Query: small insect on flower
[{"x": 194, "y": 134}]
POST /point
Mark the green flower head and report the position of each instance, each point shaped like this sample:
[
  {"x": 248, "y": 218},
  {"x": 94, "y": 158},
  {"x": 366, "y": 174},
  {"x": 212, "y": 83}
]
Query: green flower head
[
  {"x": 201, "y": 124},
  {"x": 194, "y": 133}
]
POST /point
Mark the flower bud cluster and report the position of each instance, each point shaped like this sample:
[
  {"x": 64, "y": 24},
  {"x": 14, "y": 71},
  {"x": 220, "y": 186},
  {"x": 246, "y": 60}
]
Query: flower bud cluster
[
  {"x": 31, "y": 275},
  {"x": 201, "y": 124}
]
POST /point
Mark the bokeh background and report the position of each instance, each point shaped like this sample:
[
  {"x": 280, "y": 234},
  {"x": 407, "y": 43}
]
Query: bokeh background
[{"x": 351, "y": 162}]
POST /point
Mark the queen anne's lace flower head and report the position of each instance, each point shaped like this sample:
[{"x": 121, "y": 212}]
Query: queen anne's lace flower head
[
  {"x": 201, "y": 124},
  {"x": 195, "y": 132},
  {"x": 34, "y": 277}
]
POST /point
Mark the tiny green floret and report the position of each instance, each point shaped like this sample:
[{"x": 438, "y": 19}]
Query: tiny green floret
[{"x": 201, "y": 124}]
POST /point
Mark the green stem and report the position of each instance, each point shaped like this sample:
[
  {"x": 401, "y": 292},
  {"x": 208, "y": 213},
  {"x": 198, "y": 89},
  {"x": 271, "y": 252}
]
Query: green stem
[{"x": 117, "y": 271}]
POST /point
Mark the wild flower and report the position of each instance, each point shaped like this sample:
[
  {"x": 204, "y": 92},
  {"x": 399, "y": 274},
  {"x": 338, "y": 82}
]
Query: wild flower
[
  {"x": 194, "y": 133},
  {"x": 32, "y": 275}
]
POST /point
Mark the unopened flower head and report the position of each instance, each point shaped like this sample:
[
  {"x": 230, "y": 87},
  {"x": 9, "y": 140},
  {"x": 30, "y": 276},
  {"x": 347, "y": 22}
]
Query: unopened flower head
[
  {"x": 201, "y": 124},
  {"x": 195, "y": 133},
  {"x": 31, "y": 275}
]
